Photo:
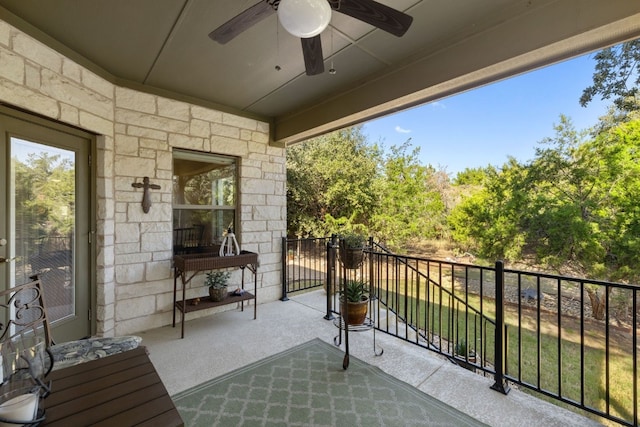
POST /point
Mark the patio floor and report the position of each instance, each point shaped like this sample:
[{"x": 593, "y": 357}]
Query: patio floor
[{"x": 220, "y": 343}]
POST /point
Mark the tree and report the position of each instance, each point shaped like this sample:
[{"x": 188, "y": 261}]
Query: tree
[
  {"x": 489, "y": 219},
  {"x": 565, "y": 181},
  {"x": 45, "y": 192},
  {"x": 584, "y": 209},
  {"x": 334, "y": 174},
  {"x": 616, "y": 76},
  {"x": 472, "y": 176},
  {"x": 411, "y": 202}
]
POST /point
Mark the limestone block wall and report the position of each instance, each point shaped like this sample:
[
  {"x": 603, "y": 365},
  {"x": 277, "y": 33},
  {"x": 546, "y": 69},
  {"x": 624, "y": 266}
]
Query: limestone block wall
[{"x": 136, "y": 133}]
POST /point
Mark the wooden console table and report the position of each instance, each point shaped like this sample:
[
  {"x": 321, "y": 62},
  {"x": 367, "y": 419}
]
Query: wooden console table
[{"x": 187, "y": 266}]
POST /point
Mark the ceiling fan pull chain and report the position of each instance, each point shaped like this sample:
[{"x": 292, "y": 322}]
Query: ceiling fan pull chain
[
  {"x": 278, "y": 67},
  {"x": 332, "y": 70}
]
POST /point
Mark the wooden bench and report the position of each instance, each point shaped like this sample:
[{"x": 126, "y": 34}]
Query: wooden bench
[{"x": 120, "y": 390}]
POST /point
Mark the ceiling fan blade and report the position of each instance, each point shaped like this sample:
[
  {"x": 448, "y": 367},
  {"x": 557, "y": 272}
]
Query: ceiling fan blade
[
  {"x": 377, "y": 14},
  {"x": 242, "y": 22},
  {"x": 312, "y": 52}
]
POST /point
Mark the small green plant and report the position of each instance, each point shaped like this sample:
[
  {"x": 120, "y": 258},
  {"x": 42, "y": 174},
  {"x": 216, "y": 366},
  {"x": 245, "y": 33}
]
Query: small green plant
[
  {"x": 353, "y": 240},
  {"x": 356, "y": 290},
  {"x": 461, "y": 348},
  {"x": 217, "y": 279}
]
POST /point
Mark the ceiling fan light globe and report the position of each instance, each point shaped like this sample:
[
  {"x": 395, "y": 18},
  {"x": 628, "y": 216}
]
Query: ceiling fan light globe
[{"x": 304, "y": 18}]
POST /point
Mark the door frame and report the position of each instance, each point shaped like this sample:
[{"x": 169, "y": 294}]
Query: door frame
[{"x": 30, "y": 119}]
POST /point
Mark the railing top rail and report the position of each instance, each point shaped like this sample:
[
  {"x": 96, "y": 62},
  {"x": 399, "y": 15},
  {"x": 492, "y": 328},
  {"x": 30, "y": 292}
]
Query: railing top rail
[
  {"x": 573, "y": 279},
  {"x": 384, "y": 251}
]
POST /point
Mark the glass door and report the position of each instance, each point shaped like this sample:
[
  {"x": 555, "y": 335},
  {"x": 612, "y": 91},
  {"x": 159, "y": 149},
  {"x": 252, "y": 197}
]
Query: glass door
[{"x": 45, "y": 227}]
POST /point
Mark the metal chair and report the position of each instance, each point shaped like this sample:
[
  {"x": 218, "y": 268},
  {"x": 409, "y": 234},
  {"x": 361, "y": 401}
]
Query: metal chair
[
  {"x": 187, "y": 240},
  {"x": 25, "y": 313}
]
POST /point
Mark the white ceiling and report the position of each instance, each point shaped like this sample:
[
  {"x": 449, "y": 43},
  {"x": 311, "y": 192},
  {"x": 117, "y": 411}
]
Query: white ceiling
[{"x": 162, "y": 46}]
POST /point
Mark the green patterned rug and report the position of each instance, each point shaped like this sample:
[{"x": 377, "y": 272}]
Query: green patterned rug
[{"x": 306, "y": 386}]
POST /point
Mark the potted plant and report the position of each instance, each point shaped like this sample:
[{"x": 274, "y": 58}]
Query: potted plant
[
  {"x": 352, "y": 245},
  {"x": 464, "y": 356},
  {"x": 217, "y": 283},
  {"x": 356, "y": 297}
]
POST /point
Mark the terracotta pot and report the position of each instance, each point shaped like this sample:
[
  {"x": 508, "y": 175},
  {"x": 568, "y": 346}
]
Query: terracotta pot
[
  {"x": 356, "y": 311},
  {"x": 218, "y": 294}
]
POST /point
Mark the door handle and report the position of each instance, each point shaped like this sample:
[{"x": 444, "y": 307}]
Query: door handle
[{"x": 6, "y": 259}]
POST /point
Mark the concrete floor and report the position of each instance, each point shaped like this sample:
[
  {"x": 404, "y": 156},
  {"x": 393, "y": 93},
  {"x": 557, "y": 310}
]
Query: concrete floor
[{"x": 219, "y": 343}]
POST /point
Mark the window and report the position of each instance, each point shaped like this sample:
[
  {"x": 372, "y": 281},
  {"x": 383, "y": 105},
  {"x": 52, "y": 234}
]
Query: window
[{"x": 204, "y": 199}]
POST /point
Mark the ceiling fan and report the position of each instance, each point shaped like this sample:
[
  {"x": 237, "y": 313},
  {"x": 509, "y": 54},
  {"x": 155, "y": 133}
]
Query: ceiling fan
[{"x": 306, "y": 19}]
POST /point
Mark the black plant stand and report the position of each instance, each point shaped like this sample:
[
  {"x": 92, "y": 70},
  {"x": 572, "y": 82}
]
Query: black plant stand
[{"x": 341, "y": 321}]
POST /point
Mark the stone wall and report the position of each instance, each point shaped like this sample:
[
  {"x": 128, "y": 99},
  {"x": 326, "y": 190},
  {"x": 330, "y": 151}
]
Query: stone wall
[{"x": 136, "y": 133}]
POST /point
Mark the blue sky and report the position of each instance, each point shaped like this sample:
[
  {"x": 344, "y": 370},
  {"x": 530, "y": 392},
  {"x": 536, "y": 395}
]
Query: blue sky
[{"x": 487, "y": 125}]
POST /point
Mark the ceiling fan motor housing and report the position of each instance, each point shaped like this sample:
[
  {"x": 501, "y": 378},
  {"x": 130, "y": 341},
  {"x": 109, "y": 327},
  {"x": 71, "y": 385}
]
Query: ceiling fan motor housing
[{"x": 304, "y": 18}]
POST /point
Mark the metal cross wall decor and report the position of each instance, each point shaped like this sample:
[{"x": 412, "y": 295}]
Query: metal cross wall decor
[{"x": 146, "y": 197}]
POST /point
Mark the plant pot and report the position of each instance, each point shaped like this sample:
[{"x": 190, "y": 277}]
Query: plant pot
[
  {"x": 218, "y": 294},
  {"x": 356, "y": 312},
  {"x": 351, "y": 257}
]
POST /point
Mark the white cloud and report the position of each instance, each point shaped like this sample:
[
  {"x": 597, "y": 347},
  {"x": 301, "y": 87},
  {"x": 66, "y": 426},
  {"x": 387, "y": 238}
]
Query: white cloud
[
  {"x": 439, "y": 105},
  {"x": 401, "y": 130}
]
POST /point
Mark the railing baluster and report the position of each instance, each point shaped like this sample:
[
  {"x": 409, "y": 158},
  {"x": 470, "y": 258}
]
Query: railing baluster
[
  {"x": 418, "y": 301},
  {"x": 607, "y": 351},
  {"x": 483, "y": 319},
  {"x": 519, "y": 327},
  {"x": 559, "y": 308},
  {"x": 538, "y": 335},
  {"x": 582, "y": 372},
  {"x": 429, "y": 308},
  {"x": 634, "y": 339},
  {"x": 407, "y": 309},
  {"x": 440, "y": 305},
  {"x": 500, "y": 383},
  {"x": 331, "y": 256},
  {"x": 283, "y": 260}
]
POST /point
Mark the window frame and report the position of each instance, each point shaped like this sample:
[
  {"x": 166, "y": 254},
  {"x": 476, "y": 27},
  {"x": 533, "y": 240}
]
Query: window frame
[{"x": 212, "y": 208}]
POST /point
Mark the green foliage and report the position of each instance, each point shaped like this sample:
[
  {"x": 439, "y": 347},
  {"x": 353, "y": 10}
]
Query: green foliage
[
  {"x": 217, "y": 279},
  {"x": 344, "y": 226},
  {"x": 336, "y": 175},
  {"x": 473, "y": 176},
  {"x": 574, "y": 205},
  {"x": 340, "y": 181},
  {"x": 461, "y": 349},
  {"x": 353, "y": 240},
  {"x": 617, "y": 76},
  {"x": 488, "y": 221},
  {"x": 45, "y": 185},
  {"x": 356, "y": 290},
  {"x": 412, "y": 199}
]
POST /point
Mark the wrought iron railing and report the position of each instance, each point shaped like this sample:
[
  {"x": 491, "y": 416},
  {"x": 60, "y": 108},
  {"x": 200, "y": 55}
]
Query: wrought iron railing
[
  {"x": 304, "y": 264},
  {"x": 572, "y": 340}
]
